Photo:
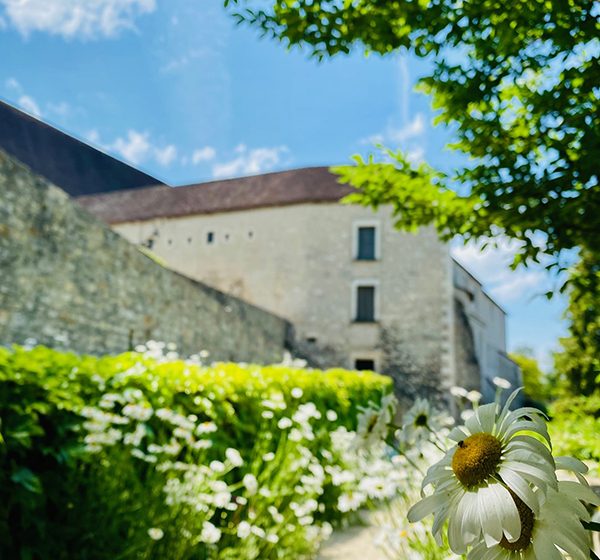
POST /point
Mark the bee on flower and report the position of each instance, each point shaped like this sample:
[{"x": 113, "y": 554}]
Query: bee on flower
[{"x": 497, "y": 489}]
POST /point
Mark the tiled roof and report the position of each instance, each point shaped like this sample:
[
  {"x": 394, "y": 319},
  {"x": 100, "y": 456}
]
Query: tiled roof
[
  {"x": 315, "y": 184},
  {"x": 72, "y": 165}
]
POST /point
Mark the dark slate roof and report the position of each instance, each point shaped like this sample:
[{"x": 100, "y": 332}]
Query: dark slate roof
[
  {"x": 65, "y": 161},
  {"x": 313, "y": 184}
]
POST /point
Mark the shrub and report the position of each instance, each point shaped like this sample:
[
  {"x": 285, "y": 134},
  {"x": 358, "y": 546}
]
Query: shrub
[
  {"x": 137, "y": 456},
  {"x": 575, "y": 427}
]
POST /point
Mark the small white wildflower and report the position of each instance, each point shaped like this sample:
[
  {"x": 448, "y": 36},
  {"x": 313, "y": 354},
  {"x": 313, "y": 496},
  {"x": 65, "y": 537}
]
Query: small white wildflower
[
  {"x": 137, "y": 412},
  {"x": 206, "y": 428},
  {"x": 474, "y": 396},
  {"x": 332, "y": 415},
  {"x": 277, "y": 517},
  {"x": 267, "y": 457},
  {"x": 502, "y": 383},
  {"x": 217, "y": 466},
  {"x": 295, "y": 435},
  {"x": 272, "y": 538},
  {"x": 466, "y": 414},
  {"x": 351, "y": 501},
  {"x": 459, "y": 392},
  {"x": 210, "y": 534},
  {"x": 284, "y": 423},
  {"x": 250, "y": 483},
  {"x": 221, "y": 499},
  {"x": 244, "y": 529},
  {"x": 297, "y": 392},
  {"x": 267, "y": 414},
  {"x": 155, "y": 533},
  {"x": 234, "y": 457}
]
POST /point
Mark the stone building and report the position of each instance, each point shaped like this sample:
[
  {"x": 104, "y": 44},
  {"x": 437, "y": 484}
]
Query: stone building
[{"x": 359, "y": 293}]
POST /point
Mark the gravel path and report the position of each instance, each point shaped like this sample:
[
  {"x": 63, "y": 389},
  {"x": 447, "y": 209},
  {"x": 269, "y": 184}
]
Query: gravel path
[{"x": 355, "y": 543}]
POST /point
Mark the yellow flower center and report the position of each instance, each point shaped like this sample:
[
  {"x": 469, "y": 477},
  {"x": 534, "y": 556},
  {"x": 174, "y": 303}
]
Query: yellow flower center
[
  {"x": 527, "y": 521},
  {"x": 476, "y": 458}
]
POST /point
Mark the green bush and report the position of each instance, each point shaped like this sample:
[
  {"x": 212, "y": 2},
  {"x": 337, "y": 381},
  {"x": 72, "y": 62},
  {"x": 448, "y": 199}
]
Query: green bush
[
  {"x": 134, "y": 456},
  {"x": 575, "y": 426}
]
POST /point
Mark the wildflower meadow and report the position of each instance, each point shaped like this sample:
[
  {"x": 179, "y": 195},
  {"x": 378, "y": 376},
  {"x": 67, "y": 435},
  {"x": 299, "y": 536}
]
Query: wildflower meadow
[{"x": 146, "y": 455}]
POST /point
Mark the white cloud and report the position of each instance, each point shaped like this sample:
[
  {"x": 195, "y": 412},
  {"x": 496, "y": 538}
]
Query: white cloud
[
  {"x": 135, "y": 147},
  {"x": 75, "y": 18},
  {"x": 492, "y": 267},
  {"x": 165, "y": 156},
  {"x": 13, "y": 84},
  {"x": 93, "y": 136},
  {"x": 180, "y": 62},
  {"x": 203, "y": 154},
  {"x": 28, "y": 104},
  {"x": 62, "y": 109},
  {"x": 250, "y": 162},
  {"x": 414, "y": 129}
]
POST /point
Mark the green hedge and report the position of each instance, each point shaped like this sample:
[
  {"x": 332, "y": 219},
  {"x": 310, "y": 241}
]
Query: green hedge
[
  {"x": 136, "y": 457},
  {"x": 575, "y": 427}
]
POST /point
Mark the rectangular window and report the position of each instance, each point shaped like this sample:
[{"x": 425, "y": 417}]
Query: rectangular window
[
  {"x": 366, "y": 243},
  {"x": 365, "y": 304},
  {"x": 210, "y": 237},
  {"x": 361, "y": 365}
]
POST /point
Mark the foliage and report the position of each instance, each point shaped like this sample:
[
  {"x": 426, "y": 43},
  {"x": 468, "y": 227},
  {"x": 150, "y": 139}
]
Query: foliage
[
  {"x": 139, "y": 456},
  {"x": 578, "y": 364},
  {"x": 516, "y": 82},
  {"x": 533, "y": 377},
  {"x": 575, "y": 427}
]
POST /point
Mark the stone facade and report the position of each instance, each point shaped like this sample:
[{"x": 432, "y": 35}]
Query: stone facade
[
  {"x": 299, "y": 262},
  {"x": 434, "y": 325},
  {"x": 70, "y": 282},
  {"x": 480, "y": 337}
]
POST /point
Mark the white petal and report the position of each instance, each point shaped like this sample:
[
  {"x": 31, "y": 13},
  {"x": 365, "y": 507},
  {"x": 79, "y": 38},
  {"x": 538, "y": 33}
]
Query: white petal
[
  {"x": 545, "y": 550},
  {"x": 507, "y": 511},
  {"x": 486, "y": 415},
  {"x": 579, "y": 491},
  {"x": 539, "y": 476},
  {"x": 520, "y": 487},
  {"x": 472, "y": 424},
  {"x": 491, "y": 524},
  {"x": 426, "y": 506},
  {"x": 570, "y": 464},
  {"x": 457, "y": 434}
]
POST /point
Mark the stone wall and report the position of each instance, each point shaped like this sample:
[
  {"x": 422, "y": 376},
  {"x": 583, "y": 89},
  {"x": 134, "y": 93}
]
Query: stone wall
[{"x": 68, "y": 281}]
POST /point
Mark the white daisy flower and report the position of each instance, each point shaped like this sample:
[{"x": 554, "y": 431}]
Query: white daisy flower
[
  {"x": 494, "y": 459},
  {"x": 374, "y": 421},
  {"x": 418, "y": 422},
  {"x": 557, "y": 532}
]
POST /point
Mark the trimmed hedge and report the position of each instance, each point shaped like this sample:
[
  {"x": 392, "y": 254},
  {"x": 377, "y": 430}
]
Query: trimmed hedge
[{"x": 133, "y": 456}]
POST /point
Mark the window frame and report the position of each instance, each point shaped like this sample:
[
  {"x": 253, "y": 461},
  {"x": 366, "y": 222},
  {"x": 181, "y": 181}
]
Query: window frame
[
  {"x": 365, "y": 283},
  {"x": 356, "y": 226}
]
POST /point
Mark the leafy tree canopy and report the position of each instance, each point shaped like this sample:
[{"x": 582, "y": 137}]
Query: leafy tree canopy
[
  {"x": 577, "y": 365},
  {"x": 518, "y": 82},
  {"x": 533, "y": 377}
]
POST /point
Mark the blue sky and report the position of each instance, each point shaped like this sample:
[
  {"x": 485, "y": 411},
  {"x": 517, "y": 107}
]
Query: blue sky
[{"x": 177, "y": 89}]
